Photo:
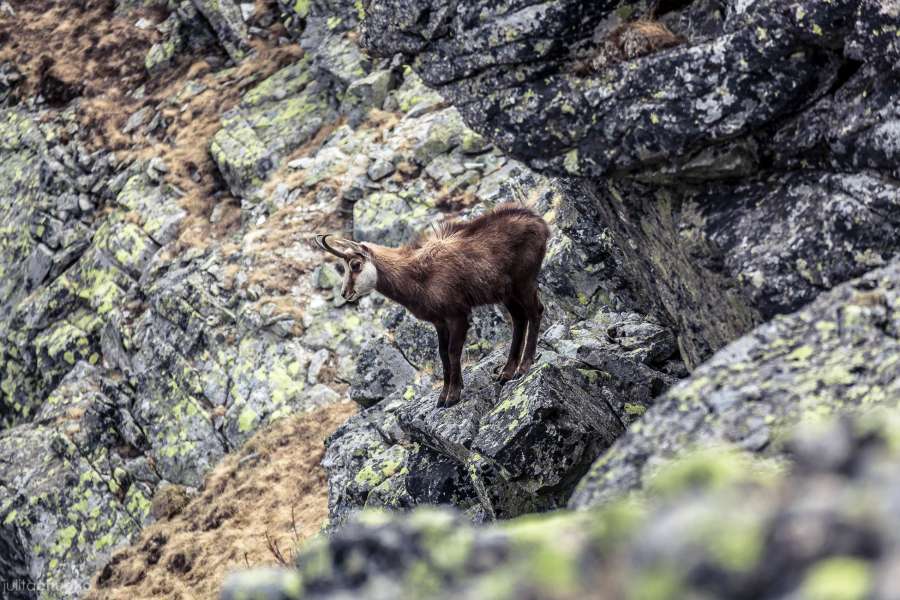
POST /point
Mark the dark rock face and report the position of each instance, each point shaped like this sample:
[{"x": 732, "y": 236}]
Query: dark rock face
[
  {"x": 838, "y": 354},
  {"x": 755, "y": 91}
]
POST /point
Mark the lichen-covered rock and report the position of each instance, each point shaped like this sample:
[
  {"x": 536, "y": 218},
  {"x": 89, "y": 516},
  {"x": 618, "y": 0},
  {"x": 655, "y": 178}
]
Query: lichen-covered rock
[
  {"x": 801, "y": 532},
  {"x": 391, "y": 219},
  {"x": 367, "y": 93},
  {"x": 74, "y": 483},
  {"x": 838, "y": 354},
  {"x": 554, "y": 118},
  {"x": 274, "y": 118},
  {"x": 381, "y": 370}
]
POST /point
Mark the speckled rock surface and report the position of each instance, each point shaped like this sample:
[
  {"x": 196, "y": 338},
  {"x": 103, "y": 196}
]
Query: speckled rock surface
[
  {"x": 273, "y": 119},
  {"x": 510, "y": 449}
]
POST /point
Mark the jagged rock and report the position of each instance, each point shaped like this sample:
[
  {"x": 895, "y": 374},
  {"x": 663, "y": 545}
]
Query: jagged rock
[
  {"x": 856, "y": 221},
  {"x": 162, "y": 214},
  {"x": 75, "y": 484},
  {"x": 798, "y": 534},
  {"x": 366, "y": 93},
  {"x": 557, "y": 125},
  {"x": 224, "y": 16},
  {"x": 162, "y": 54},
  {"x": 380, "y": 169},
  {"x": 838, "y": 354},
  {"x": 10, "y": 79},
  {"x": 381, "y": 369},
  {"x": 391, "y": 219},
  {"x": 340, "y": 60},
  {"x": 522, "y": 446},
  {"x": 414, "y": 98}
]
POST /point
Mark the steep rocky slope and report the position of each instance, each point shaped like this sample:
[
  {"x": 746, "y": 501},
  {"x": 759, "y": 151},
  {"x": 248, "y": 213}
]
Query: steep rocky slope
[
  {"x": 253, "y": 510},
  {"x": 165, "y": 164},
  {"x": 741, "y": 187}
]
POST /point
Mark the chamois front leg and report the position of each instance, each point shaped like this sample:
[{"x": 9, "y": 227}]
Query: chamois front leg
[
  {"x": 458, "y": 327},
  {"x": 443, "y": 334}
]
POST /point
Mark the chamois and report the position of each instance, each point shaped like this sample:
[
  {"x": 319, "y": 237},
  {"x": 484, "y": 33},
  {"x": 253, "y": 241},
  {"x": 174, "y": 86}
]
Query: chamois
[{"x": 444, "y": 274}]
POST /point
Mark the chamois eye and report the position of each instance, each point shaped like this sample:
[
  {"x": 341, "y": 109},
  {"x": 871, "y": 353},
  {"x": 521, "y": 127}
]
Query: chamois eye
[{"x": 356, "y": 266}]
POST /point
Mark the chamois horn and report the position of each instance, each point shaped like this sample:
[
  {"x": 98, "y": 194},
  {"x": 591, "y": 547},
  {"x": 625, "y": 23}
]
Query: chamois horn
[{"x": 322, "y": 242}]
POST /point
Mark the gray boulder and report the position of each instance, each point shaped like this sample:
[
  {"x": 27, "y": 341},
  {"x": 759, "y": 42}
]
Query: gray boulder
[{"x": 226, "y": 20}]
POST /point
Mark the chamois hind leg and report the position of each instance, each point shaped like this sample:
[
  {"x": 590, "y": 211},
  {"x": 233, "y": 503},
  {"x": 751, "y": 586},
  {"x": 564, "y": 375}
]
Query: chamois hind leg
[
  {"x": 519, "y": 319},
  {"x": 458, "y": 327},
  {"x": 535, "y": 310},
  {"x": 443, "y": 334}
]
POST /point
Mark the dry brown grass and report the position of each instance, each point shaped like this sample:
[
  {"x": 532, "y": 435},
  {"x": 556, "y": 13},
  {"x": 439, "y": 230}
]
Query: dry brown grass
[
  {"x": 99, "y": 57},
  {"x": 628, "y": 41},
  {"x": 272, "y": 491},
  {"x": 82, "y": 43}
]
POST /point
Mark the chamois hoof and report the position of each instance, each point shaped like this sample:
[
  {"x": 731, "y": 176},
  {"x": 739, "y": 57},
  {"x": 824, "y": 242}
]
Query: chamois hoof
[
  {"x": 505, "y": 377},
  {"x": 452, "y": 399},
  {"x": 522, "y": 371},
  {"x": 442, "y": 399}
]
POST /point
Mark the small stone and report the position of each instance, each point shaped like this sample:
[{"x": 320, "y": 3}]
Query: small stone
[
  {"x": 315, "y": 365},
  {"x": 301, "y": 163},
  {"x": 137, "y": 119},
  {"x": 380, "y": 169},
  {"x": 84, "y": 203},
  {"x": 325, "y": 277},
  {"x": 321, "y": 395},
  {"x": 367, "y": 93},
  {"x": 39, "y": 264},
  {"x": 156, "y": 168}
]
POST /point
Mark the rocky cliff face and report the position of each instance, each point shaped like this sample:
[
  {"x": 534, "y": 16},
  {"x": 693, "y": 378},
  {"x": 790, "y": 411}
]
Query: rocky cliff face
[
  {"x": 162, "y": 302},
  {"x": 769, "y": 113},
  {"x": 730, "y": 202}
]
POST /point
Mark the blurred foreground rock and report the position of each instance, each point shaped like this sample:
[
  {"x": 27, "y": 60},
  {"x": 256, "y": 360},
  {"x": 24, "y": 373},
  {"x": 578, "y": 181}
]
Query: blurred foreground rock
[{"x": 716, "y": 522}]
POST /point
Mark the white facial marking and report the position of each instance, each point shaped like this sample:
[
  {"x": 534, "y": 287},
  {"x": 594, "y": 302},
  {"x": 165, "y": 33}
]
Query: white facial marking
[
  {"x": 363, "y": 282},
  {"x": 366, "y": 280}
]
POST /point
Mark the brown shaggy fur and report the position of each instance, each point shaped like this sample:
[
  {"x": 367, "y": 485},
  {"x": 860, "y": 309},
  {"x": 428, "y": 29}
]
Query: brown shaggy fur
[
  {"x": 445, "y": 273},
  {"x": 627, "y": 42}
]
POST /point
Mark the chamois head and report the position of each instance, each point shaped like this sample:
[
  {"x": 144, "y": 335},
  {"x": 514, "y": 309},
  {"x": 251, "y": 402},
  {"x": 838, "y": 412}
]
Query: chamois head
[{"x": 360, "y": 274}]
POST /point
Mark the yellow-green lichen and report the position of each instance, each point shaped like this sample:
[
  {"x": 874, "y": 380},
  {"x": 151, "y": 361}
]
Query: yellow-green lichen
[{"x": 838, "y": 578}]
